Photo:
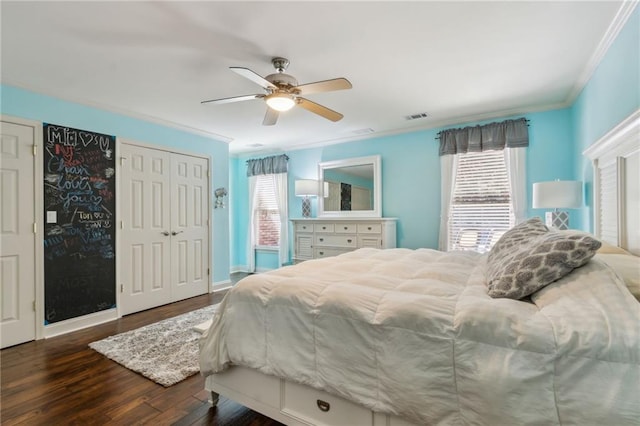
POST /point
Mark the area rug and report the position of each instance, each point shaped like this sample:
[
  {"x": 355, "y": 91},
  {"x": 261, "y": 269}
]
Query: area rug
[{"x": 165, "y": 352}]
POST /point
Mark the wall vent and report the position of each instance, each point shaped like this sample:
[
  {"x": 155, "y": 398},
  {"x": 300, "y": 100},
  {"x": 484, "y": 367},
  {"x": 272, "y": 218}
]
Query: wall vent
[
  {"x": 255, "y": 145},
  {"x": 417, "y": 116}
]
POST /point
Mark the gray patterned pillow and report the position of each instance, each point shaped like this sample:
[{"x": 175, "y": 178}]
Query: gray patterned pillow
[
  {"x": 537, "y": 263},
  {"x": 516, "y": 236}
]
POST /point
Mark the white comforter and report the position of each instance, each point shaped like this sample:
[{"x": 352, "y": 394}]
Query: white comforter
[{"x": 413, "y": 333}]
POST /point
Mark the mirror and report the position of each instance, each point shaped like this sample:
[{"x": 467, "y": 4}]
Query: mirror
[{"x": 352, "y": 187}]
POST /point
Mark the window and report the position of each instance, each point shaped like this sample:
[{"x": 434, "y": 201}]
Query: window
[
  {"x": 481, "y": 207},
  {"x": 267, "y": 216}
]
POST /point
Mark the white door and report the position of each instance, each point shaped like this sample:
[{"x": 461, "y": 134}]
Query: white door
[
  {"x": 145, "y": 199},
  {"x": 189, "y": 226},
  {"x": 17, "y": 245},
  {"x": 165, "y": 232}
]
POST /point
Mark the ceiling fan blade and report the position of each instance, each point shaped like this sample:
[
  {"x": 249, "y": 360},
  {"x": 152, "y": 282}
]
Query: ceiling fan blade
[
  {"x": 270, "y": 117},
  {"x": 247, "y": 73},
  {"x": 232, "y": 99},
  {"x": 324, "y": 86},
  {"x": 323, "y": 111}
]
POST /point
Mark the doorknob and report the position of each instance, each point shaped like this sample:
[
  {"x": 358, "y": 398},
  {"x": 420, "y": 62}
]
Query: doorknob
[
  {"x": 165, "y": 233},
  {"x": 176, "y": 233}
]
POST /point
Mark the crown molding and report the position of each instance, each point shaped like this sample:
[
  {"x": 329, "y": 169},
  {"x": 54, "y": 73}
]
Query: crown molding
[
  {"x": 438, "y": 124},
  {"x": 119, "y": 111},
  {"x": 619, "y": 21}
]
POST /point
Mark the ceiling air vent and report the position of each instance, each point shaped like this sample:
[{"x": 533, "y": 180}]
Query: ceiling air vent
[
  {"x": 363, "y": 131},
  {"x": 417, "y": 116},
  {"x": 255, "y": 145}
]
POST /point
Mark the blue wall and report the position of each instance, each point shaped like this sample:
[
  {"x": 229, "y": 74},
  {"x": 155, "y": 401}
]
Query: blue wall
[
  {"x": 611, "y": 95},
  {"x": 25, "y": 104},
  {"x": 410, "y": 177}
]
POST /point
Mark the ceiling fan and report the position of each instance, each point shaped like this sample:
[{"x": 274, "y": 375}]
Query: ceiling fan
[{"x": 282, "y": 92}]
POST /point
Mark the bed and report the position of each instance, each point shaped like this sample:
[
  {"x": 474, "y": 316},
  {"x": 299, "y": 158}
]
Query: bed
[{"x": 401, "y": 337}]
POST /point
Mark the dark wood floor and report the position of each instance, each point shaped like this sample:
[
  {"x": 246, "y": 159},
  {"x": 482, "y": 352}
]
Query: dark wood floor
[{"x": 61, "y": 381}]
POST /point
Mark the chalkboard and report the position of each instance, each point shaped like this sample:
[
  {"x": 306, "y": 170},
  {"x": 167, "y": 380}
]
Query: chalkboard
[{"x": 79, "y": 216}]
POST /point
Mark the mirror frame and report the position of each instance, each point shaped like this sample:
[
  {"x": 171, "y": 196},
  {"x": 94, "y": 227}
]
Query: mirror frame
[{"x": 376, "y": 162}]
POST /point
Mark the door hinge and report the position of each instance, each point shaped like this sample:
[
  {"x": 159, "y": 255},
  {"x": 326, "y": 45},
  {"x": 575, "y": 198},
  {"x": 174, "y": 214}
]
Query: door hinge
[
  {"x": 122, "y": 160},
  {"x": 35, "y": 150},
  {"x": 122, "y": 224},
  {"x": 121, "y": 288},
  {"x": 34, "y": 306},
  {"x": 208, "y": 272},
  {"x": 35, "y": 228}
]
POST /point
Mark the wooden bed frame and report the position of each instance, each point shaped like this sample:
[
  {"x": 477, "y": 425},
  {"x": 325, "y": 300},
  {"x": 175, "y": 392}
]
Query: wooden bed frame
[{"x": 618, "y": 152}]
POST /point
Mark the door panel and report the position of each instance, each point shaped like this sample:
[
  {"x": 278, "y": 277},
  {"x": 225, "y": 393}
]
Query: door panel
[
  {"x": 17, "y": 246},
  {"x": 146, "y": 240},
  {"x": 190, "y": 189}
]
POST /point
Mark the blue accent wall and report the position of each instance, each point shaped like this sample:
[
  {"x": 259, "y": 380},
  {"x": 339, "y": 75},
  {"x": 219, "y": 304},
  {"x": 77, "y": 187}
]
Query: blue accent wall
[
  {"x": 611, "y": 95},
  {"x": 29, "y": 105}
]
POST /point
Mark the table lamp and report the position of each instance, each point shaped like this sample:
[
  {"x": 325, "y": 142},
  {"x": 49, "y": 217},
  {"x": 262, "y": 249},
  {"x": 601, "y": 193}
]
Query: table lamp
[{"x": 558, "y": 194}]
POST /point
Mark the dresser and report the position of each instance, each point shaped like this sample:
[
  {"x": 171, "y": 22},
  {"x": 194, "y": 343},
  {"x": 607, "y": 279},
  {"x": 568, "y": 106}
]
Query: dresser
[{"x": 315, "y": 238}]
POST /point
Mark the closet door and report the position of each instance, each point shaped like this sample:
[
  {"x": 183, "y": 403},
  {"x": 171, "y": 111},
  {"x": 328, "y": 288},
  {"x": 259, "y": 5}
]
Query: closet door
[
  {"x": 17, "y": 237},
  {"x": 189, "y": 226},
  {"x": 145, "y": 199}
]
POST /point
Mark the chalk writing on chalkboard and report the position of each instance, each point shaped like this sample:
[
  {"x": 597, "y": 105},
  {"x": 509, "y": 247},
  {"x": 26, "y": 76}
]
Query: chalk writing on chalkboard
[{"x": 79, "y": 211}]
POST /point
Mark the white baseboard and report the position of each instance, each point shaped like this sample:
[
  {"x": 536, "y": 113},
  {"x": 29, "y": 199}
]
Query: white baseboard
[
  {"x": 221, "y": 285},
  {"x": 243, "y": 268},
  {"x": 75, "y": 324},
  {"x": 238, "y": 268}
]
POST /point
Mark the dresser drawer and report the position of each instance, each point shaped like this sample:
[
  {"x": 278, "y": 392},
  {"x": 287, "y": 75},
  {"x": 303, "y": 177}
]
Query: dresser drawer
[
  {"x": 369, "y": 228},
  {"x": 304, "y": 227},
  {"x": 323, "y": 227},
  {"x": 369, "y": 240},
  {"x": 320, "y": 408},
  {"x": 322, "y": 252},
  {"x": 346, "y": 228},
  {"x": 335, "y": 240}
]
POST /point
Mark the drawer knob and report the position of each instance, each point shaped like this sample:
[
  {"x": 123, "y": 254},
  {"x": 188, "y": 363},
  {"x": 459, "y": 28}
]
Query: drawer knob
[
  {"x": 323, "y": 405},
  {"x": 348, "y": 241},
  {"x": 321, "y": 239},
  {"x": 369, "y": 228},
  {"x": 345, "y": 228},
  {"x": 304, "y": 227},
  {"x": 324, "y": 227},
  {"x": 321, "y": 253}
]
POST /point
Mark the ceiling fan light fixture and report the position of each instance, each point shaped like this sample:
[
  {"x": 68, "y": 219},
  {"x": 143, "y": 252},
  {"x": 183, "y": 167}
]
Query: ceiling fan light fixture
[{"x": 280, "y": 101}]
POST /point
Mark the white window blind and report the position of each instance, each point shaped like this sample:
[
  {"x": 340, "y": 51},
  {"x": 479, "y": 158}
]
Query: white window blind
[
  {"x": 608, "y": 204},
  {"x": 481, "y": 209},
  {"x": 267, "y": 215}
]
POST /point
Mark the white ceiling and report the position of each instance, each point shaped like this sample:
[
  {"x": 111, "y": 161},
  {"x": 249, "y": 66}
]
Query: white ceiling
[{"x": 456, "y": 61}]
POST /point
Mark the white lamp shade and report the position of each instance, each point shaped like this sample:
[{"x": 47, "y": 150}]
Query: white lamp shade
[
  {"x": 559, "y": 194},
  {"x": 306, "y": 188}
]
